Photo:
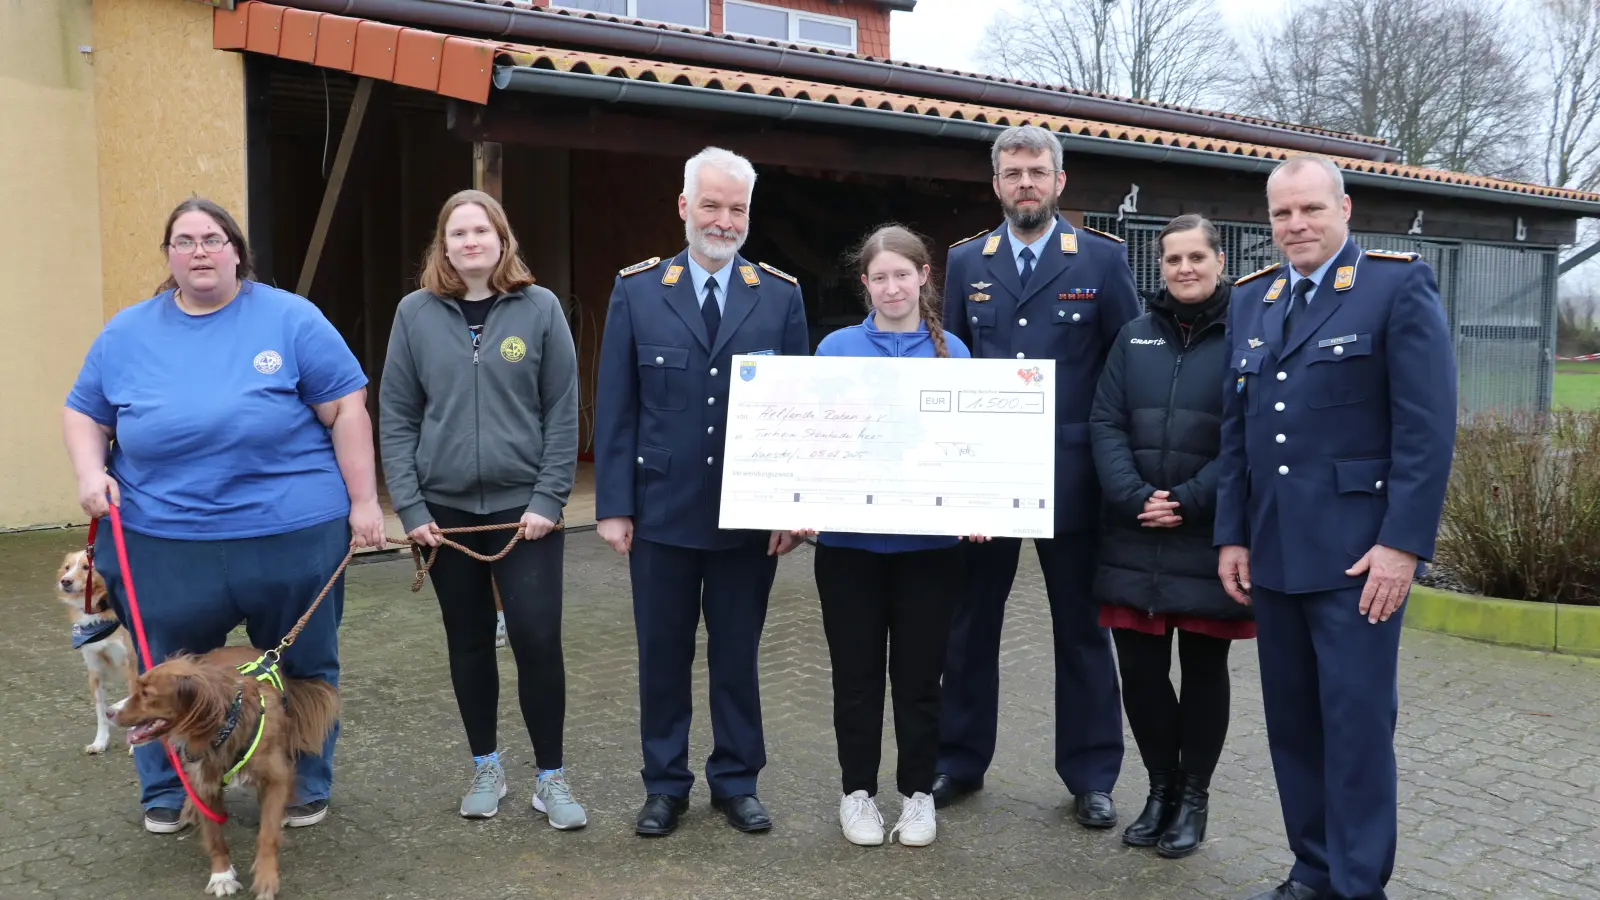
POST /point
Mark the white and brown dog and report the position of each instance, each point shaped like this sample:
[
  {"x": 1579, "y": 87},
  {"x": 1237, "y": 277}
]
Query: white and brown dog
[{"x": 98, "y": 635}]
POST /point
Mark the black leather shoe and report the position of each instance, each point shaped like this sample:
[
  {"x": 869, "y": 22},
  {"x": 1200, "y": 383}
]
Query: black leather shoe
[
  {"x": 1095, "y": 809},
  {"x": 660, "y": 814},
  {"x": 947, "y": 790},
  {"x": 1289, "y": 890},
  {"x": 1159, "y": 809},
  {"x": 1188, "y": 827},
  {"x": 745, "y": 813}
]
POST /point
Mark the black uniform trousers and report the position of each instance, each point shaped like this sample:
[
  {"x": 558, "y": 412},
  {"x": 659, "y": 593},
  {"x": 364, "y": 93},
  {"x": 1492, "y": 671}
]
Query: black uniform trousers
[
  {"x": 671, "y": 586},
  {"x": 1330, "y": 691},
  {"x": 1088, "y": 714}
]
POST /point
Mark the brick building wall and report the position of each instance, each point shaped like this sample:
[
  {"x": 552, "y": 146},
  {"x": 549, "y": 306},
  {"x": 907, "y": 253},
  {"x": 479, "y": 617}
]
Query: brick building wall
[{"x": 872, "y": 20}]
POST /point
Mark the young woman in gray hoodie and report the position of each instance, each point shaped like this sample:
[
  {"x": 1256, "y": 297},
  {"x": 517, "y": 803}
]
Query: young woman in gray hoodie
[{"x": 479, "y": 426}]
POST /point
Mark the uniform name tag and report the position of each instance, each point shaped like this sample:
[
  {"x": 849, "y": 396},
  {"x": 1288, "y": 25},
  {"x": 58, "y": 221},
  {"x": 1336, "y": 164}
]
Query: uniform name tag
[
  {"x": 1332, "y": 342},
  {"x": 760, "y": 353}
]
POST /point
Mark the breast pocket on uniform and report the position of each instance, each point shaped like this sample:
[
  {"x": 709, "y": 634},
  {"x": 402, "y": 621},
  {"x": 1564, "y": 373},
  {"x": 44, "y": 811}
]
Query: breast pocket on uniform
[
  {"x": 1074, "y": 313},
  {"x": 980, "y": 315},
  {"x": 1338, "y": 368},
  {"x": 1246, "y": 366},
  {"x": 662, "y": 376}
]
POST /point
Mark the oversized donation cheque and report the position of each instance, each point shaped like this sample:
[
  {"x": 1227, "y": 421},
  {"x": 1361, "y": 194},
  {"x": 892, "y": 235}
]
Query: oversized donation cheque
[{"x": 891, "y": 445}]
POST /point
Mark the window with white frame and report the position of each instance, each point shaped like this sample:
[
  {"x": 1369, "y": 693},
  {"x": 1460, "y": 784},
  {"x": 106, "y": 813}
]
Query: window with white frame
[
  {"x": 694, "y": 13},
  {"x": 792, "y": 25}
]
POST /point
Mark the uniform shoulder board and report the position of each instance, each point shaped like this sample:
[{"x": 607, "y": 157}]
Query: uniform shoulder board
[
  {"x": 1393, "y": 254},
  {"x": 1257, "y": 274},
  {"x": 966, "y": 239},
  {"x": 781, "y": 274},
  {"x": 638, "y": 267},
  {"x": 1104, "y": 235}
]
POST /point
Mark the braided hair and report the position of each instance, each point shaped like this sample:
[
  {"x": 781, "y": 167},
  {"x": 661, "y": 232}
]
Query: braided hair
[{"x": 907, "y": 243}]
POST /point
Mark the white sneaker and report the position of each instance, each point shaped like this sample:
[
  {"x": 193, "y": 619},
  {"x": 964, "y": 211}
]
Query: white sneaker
[
  {"x": 500, "y": 639},
  {"x": 916, "y": 827},
  {"x": 860, "y": 819}
]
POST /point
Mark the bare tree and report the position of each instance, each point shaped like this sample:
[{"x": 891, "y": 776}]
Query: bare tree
[
  {"x": 1170, "y": 51},
  {"x": 1442, "y": 80},
  {"x": 1571, "y": 48}
]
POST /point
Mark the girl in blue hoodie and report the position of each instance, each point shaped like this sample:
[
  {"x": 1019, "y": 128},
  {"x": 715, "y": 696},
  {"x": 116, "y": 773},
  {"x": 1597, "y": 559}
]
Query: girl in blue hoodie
[{"x": 893, "y": 593}]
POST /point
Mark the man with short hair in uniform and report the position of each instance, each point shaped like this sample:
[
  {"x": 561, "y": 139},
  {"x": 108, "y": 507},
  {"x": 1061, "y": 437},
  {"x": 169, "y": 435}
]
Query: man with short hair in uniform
[
  {"x": 1039, "y": 288},
  {"x": 660, "y": 411},
  {"x": 1338, "y": 429}
]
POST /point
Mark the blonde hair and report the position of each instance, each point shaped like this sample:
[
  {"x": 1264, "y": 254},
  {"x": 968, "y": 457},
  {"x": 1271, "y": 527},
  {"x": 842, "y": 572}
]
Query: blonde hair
[
  {"x": 904, "y": 241},
  {"x": 441, "y": 277}
]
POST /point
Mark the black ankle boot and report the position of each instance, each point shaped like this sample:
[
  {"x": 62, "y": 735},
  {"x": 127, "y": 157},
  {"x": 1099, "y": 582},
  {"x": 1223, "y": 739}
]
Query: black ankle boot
[
  {"x": 1188, "y": 827},
  {"x": 1159, "y": 808}
]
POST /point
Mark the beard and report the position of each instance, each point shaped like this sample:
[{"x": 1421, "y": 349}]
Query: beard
[
  {"x": 1029, "y": 220},
  {"x": 713, "y": 242}
]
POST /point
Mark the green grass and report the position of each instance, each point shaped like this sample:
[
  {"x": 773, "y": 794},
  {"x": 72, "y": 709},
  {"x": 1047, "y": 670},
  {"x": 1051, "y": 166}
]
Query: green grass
[{"x": 1577, "y": 385}]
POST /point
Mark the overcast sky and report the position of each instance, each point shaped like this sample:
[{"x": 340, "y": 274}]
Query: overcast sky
[{"x": 945, "y": 33}]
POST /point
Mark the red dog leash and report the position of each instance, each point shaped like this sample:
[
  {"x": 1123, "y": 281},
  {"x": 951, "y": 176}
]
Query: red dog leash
[{"x": 144, "y": 646}]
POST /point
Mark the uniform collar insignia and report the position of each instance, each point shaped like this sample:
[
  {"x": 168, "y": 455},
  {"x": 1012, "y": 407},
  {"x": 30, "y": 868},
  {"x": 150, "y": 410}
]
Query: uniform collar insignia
[
  {"x": 991, "y": 245},
  {"x": 1276, "y": 289},
  {"x": 1069, "y": 243},
  {"x": 673, "y": 274},
  {"x": 1344, "y": 278},
  {"x": 749, "y": 275}
]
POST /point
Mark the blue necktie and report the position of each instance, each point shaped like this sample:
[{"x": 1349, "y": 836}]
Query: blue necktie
[
  {"x": 710, "y": 312},
  {"x": 1027, "y": 264},
  {"x": 1298, "y": 298}
]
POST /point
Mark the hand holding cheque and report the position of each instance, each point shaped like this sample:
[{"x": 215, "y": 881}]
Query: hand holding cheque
[{"x": 891, "y": 446}]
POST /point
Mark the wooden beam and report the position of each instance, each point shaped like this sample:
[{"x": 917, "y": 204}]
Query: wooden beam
[
  {"x": 486, "y": 169},
  {"x": 334, "y": 191}
]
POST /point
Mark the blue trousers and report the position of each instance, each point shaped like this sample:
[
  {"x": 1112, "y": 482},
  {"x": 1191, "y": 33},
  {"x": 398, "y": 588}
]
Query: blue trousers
[
  {"x": 671, "y": 585},
  {"x": 1088, "y": 753},
  {"x": 1329, "y": 687},
  {"x": 193, "y": 593}
]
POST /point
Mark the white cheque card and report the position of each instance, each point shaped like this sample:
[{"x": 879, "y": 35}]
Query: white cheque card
[{"x": 891, "y": 446}]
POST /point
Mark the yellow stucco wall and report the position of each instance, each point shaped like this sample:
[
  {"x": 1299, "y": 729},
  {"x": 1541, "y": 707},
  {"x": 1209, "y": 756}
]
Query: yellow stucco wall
[
  {"x": 95, "y": 148},
  {"x": 49, "y": 248}
]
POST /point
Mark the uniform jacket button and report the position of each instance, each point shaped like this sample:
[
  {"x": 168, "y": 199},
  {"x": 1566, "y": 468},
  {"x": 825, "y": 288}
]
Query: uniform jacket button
[
  {"x": 1022, "y": 322},
  {"x": 713, "y": 373},
  {"x": 660, "y": 360},
  {"x": 1278, "y": 406},
  {"x": 1338, "y": 351},
  {"x": 1379, "y": 486},
  {"x": 711, "y": 401},
  {"x": 1283, "y": 376},
  {"x": 1281, "y": 439},
  {"x": 974, "y": 320},
  {"x": 708, "y": 460},
  {"x": 641, "y": 460},
  {"x": 1283, "y": 470},
  {"x": 1021, "y": 356},
  {"x": 711, "y": 429},
  {"x": 1076, "y": 317}
]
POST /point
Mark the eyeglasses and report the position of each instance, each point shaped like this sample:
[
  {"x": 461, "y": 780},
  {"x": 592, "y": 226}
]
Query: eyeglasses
[
  {"x": 185, "y": 246},
  {"x": 1013, "y": 176}
]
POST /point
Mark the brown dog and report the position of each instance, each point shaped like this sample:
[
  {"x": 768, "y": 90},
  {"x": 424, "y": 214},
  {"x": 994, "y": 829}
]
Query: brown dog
[{"x": 210, "y": 713}]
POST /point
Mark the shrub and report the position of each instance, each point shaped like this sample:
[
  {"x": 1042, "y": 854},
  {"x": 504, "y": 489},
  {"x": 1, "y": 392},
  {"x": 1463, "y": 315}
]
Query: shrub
[{"x": 1522, "y": 516}]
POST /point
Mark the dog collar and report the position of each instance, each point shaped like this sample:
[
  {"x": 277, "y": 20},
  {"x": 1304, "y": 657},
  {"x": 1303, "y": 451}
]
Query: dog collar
[{"x": 92, "y": 632}]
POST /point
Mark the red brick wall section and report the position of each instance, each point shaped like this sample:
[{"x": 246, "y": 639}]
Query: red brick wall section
[{"x": 872, "y": 20}]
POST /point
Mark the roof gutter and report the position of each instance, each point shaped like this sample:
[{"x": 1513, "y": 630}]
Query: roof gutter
[
  {"x": 607, "y": 89},
  {"x": 511, "y": 23}
]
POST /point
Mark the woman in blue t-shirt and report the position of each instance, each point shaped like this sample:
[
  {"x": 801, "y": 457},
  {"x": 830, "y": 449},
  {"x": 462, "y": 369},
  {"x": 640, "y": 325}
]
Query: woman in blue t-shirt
[
  {"x": 893, "y": 593},
  {"x": 228, "y": 421}
]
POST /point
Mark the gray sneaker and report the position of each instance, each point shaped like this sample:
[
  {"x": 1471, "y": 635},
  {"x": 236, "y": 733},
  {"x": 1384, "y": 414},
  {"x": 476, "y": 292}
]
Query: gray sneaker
[
  {"x": 554, "y": 799},
  {"x": 488, "y": 786}
]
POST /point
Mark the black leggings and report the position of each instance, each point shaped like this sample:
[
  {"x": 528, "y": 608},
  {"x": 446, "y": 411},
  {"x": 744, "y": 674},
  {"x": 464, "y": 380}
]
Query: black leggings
[
  {"x": 1175, "y": 733},
  {"x": 887, "y": 612},
  {"x": 529, "y": 579}
]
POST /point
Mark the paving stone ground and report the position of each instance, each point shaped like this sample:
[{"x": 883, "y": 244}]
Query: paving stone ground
[{"x": 1499, "y": 751}]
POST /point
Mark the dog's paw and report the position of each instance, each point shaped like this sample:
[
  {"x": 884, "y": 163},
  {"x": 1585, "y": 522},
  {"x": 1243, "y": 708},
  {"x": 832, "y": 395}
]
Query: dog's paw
[
  {"x": 98, "y": 746},
  {"x": 266, "y": 887},
  {"x": 224, "y": 884}
]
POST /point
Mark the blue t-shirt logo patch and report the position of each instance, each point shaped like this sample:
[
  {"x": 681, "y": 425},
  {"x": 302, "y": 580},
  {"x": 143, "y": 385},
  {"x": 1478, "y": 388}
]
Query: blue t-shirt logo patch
[{"x": 268, "y": 361}]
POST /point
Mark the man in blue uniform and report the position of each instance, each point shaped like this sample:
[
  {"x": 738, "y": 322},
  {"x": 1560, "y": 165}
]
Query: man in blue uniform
[
  {"x": 661, "y": 404},
  {"x": 1038, "y": 288},
  {"x": 1337, "y": 435}
]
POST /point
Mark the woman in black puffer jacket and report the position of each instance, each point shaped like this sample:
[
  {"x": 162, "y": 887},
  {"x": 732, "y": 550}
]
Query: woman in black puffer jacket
[{"x": 1156, "y": 426}]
